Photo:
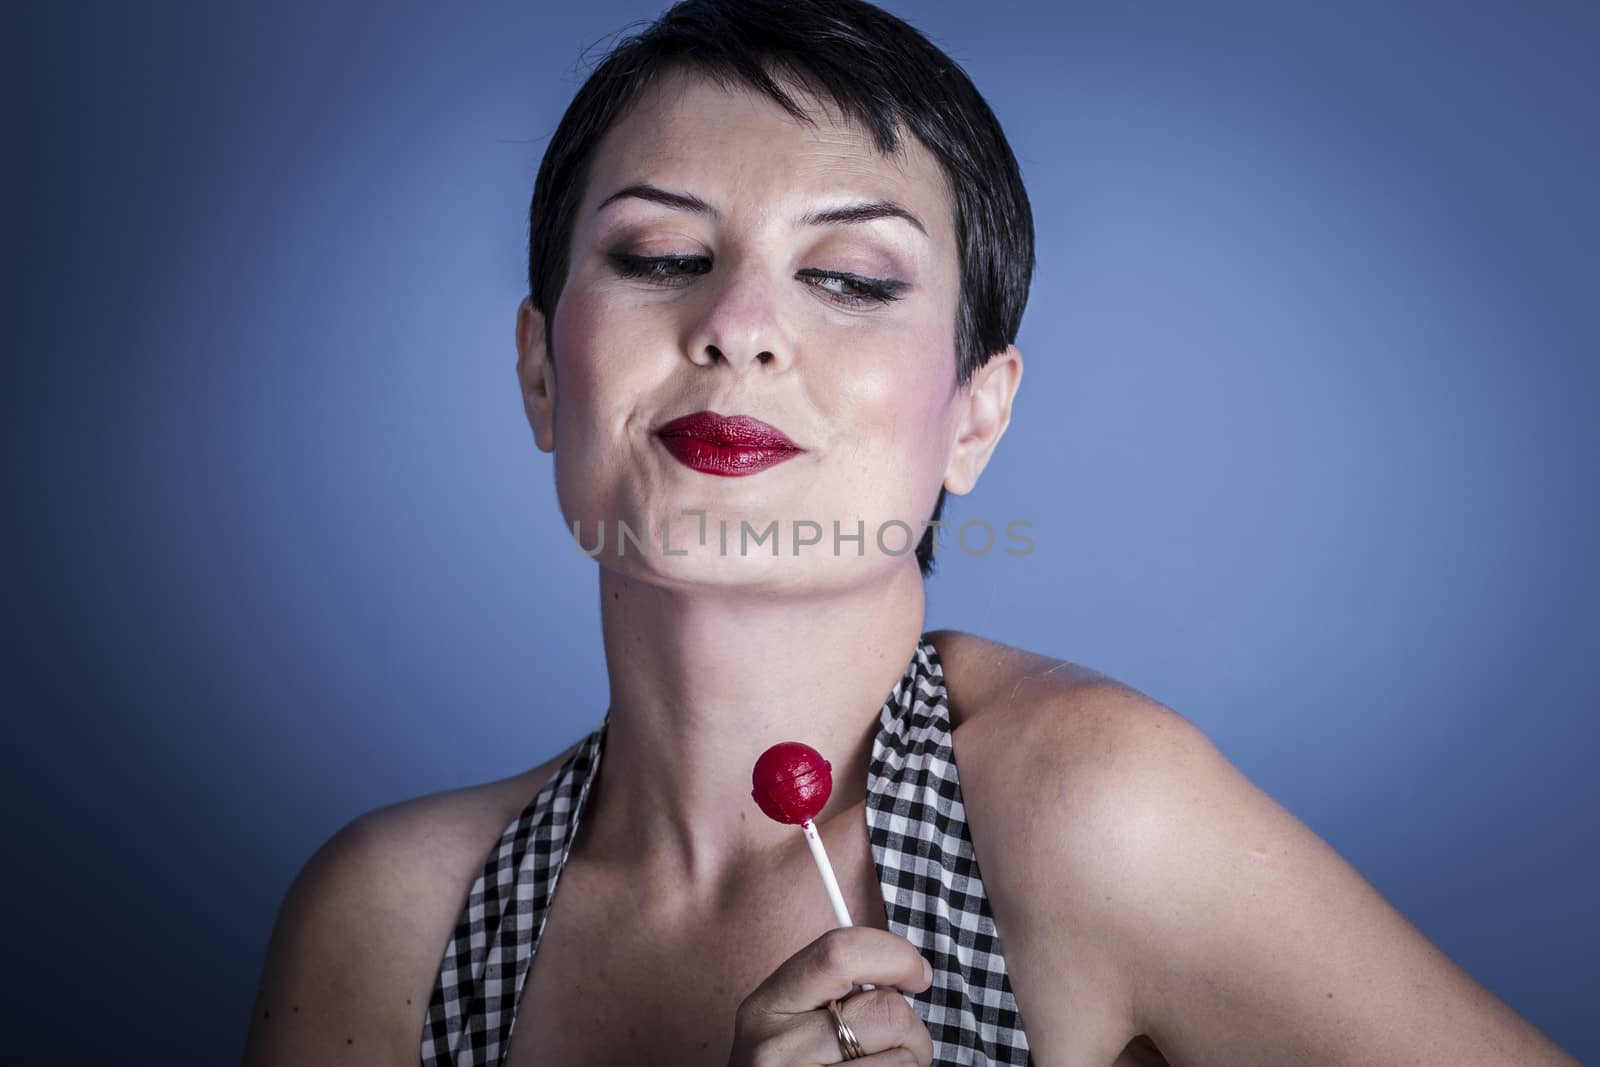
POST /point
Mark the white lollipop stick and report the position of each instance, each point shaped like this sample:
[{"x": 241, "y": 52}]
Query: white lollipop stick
[{"x": 829, "y": 882}]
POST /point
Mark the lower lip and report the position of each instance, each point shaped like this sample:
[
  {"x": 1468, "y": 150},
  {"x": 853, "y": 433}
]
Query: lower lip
[{"x": 728, "y": 461}]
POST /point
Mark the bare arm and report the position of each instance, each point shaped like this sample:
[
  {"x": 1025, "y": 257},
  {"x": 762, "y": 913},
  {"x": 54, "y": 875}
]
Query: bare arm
[
  {"x": 328, "y": 993},
  {"x": 361, "y": 933},
  {"x": 1244, "y": 938}
]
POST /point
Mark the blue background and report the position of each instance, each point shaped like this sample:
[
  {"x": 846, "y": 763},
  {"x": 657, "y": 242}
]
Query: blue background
[{"x": 1306, "y": 436}]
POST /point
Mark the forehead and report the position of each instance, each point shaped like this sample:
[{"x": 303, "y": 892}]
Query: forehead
[{"x": 739, "y": 149}]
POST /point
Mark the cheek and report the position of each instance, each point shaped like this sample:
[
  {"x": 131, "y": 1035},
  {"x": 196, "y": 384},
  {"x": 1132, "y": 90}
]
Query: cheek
[
  {"x": 901, "y": 398},
  {"x": 584, "y": 429},
  {"x": 575, "y": 335},
  {"x": 592, "y": 369}
]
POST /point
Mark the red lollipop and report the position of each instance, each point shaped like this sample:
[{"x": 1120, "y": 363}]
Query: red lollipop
[{"x": 792, "y": 782}]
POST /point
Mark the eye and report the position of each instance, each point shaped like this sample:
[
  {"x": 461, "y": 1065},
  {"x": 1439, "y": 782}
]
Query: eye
[
  {"x": 660, "y": 269},
  {"x": 854, "y": 289},
  {"x": 675, "y": 271}
]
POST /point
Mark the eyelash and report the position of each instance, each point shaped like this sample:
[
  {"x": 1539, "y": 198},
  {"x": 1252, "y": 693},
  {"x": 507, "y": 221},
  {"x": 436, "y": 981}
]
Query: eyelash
[{"x": 871, "y": 292}]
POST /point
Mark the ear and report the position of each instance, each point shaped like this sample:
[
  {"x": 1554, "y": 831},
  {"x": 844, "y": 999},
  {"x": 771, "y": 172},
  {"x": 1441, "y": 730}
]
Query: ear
[
  {"x": 984, "y": 415},
  {"x": 537, "y": 375}
]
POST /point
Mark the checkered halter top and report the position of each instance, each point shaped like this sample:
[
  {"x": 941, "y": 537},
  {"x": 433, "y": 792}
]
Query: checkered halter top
[{"x": 917, "y": 827}]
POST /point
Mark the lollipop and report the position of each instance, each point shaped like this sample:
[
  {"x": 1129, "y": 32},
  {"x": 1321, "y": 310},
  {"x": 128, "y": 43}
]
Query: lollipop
[{"x": 792, "y": 782}]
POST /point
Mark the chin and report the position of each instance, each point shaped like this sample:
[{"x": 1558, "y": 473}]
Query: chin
[{"x": 815, "y": 571}]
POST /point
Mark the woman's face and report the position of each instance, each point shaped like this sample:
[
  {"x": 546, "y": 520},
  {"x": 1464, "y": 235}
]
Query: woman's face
[{"x": 748, "y": 317}]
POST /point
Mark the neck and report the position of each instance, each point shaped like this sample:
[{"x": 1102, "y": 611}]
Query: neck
[{"x": 701, "y": 684}]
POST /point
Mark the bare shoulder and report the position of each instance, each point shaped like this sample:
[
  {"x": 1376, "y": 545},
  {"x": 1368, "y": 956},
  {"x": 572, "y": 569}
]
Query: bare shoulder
[
  {"x": 983, "y": 675},
  {"x": 360, "y": 933},
  {"x": 1149, "y": 886},
  {"x": 1013, "y": 711},
  {"x": 1043, "y": 745}
]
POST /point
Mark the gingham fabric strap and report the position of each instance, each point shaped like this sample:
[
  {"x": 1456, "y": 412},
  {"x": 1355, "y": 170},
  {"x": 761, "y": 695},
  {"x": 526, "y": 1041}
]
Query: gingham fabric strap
[
  {"x": 932, "y": 892},
  {"x": 480, "y": 980}
]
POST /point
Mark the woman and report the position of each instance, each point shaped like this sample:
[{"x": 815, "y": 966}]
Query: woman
[{"x": 779, "y": 257}]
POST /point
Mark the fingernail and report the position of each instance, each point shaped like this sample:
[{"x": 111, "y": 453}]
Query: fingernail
[{"x": 927, "y": 971}]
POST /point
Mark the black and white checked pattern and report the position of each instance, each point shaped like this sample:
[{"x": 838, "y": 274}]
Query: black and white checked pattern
[
  {"x": 932, "y": 891},
  {"x": 917, "y": 827},
  {"x": 474, "y": 1000}
]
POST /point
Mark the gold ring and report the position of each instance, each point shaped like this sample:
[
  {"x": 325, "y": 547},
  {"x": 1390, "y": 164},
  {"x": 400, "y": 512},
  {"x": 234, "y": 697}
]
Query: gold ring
[{"x": 848, "y": 1044}]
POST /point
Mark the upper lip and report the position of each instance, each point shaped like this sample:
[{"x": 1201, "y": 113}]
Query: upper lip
[{"x": 735, "y": 431}]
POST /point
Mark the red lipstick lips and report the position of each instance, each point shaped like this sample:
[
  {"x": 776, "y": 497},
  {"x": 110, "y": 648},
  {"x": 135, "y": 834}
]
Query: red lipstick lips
[{"x": 727, "y": 446}]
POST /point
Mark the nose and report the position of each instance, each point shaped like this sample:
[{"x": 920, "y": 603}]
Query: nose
[{"x": 739, "y": 324}]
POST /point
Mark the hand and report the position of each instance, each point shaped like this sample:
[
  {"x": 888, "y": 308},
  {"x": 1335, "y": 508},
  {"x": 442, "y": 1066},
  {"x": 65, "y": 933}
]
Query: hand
[{"x": 785, "y": 1022}]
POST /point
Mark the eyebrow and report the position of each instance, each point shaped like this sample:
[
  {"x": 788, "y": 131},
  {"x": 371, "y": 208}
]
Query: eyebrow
[{"x": 849, "y": 213}]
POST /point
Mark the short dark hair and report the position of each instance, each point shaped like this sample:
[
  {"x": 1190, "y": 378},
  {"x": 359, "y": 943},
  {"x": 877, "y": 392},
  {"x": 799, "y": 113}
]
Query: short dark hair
[{"x": 880, "y": 72}]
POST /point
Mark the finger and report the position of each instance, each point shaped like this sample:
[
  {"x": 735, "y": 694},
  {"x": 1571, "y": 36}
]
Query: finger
[
  {"x": 834, "y": 964},
  {"x": 895, "y": 1057},
  {"x": 881, "y": 1021}
]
